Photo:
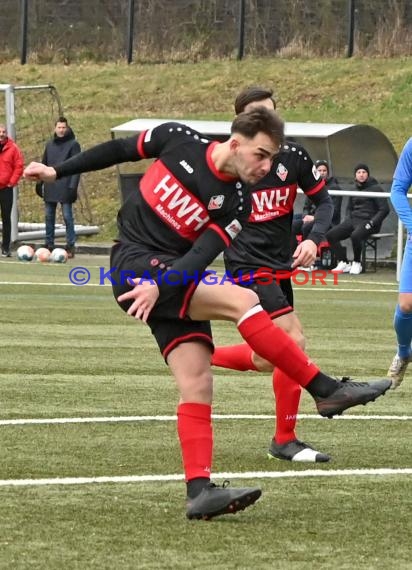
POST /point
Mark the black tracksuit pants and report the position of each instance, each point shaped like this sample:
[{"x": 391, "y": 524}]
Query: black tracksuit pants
[
  {"x": 353, "y": 229},
  {"x": 6, "y": 204}
]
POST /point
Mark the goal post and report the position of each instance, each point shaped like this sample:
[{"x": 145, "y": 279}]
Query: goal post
[
  {"x": 8, "y": 91},
  {"x": 9, "y": 121},
  {"x": 29, "y": 114}
]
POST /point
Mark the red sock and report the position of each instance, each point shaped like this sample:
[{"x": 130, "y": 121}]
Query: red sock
[
  {"x": 194, "y": 427},
  {"x": 235, "y": 357},
  {"x": 287, "y": 396},
  {"x": 273, "y": 344}
]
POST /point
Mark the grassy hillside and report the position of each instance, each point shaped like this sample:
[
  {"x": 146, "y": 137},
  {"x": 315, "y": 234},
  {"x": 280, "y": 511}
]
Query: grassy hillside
[{"x": 97, "y": 97}]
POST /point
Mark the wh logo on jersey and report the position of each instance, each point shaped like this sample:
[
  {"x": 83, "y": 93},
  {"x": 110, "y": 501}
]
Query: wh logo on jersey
[
  {"x": 172, "y": 202},
  {"x": 269, "y": 200},
  {"x": 272, "y": 203},
  {"x": 216, "y": 202},
  {"x": 179, "y": 202},
  {"x": 282, "y": 172}
]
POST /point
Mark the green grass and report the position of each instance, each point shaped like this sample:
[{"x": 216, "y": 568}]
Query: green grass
[
  {"x": 311, "y": 524},
  {"x": 69, "y": 352},
  {"x": 97, "y": 97}
]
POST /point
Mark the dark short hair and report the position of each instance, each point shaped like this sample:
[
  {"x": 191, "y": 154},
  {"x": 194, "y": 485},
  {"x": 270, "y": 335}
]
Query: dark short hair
[
  {"x": 260, "y": 120},
  {"x": 322, "y": 163},
  {"x": 252, "y": 94},
  {"x": 61, "y": 120}
]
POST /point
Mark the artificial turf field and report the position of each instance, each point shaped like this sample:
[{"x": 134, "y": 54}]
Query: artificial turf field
[{"x": 90, "y": 476}]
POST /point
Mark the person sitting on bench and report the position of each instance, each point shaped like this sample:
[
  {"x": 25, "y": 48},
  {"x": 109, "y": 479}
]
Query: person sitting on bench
[
  {"x": 364, "y": 217},
  {"x": 302, "y": 224}
]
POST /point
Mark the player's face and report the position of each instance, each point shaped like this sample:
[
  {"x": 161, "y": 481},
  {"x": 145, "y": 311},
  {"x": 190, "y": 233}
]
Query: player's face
[
  {"x": 268, "y": 103},
  {"x": 254, "y": 157}
]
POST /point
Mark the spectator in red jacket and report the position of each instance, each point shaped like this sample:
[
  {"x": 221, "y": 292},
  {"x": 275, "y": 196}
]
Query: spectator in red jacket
[{"x": 11, "y": 169}]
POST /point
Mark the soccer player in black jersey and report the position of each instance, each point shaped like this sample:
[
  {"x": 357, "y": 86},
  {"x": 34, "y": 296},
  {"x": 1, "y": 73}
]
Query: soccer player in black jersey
[
  {"x": 189, "y": 206},
  {"x": 265, "y": 246}
]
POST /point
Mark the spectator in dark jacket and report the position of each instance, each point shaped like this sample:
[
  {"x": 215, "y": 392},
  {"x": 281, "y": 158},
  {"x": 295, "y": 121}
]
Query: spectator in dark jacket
[
  {"x": 364, "y": 216},
  {"x": 11, "y": 169},
  {"x": 331, "y": 183},
  {"x": 302, "y": 224},
  {"x": 64, "y": 191}
]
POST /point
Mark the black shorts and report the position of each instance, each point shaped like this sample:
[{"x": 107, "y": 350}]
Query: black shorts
[
  {"x": 168, "y": 320},
  {"x": 275, "y": 297}
]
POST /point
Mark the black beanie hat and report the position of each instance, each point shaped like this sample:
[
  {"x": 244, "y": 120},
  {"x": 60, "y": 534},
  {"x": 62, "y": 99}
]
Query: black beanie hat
[
  {"x": 361, "y": 166},
  {"x": 322, "y": 163}
]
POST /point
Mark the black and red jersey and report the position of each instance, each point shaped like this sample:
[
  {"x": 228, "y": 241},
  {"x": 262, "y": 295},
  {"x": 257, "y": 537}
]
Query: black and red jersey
[
  {"x": 183, "y": 205},
  {"x": 265, "y": 240}
]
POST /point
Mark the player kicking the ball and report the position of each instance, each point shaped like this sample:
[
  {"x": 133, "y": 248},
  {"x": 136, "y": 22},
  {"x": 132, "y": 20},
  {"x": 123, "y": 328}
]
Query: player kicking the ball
[{"x": 188, "y": 207}]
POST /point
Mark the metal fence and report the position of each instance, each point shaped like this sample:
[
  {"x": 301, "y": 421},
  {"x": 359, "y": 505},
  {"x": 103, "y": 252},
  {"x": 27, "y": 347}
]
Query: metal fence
[{"x": 191, "y": 30}]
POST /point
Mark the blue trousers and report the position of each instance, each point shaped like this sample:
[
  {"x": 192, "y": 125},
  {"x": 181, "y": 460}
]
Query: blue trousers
[{"x": 67, "y": 210}]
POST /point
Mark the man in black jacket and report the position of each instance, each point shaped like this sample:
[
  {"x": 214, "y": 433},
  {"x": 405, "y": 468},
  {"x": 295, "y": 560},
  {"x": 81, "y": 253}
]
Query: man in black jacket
[
  {"x": 62, "y": 146},
  {"x": 364, "y": 216}
]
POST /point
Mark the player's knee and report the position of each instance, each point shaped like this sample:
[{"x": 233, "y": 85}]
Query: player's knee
[
  {"x": 249, "y": 298},
  {"x": 196, "y": 387},
  {"x": 242, "y": 301},
  {"x": 204, "y": 381},
  {"x": 190, "y": 366}
]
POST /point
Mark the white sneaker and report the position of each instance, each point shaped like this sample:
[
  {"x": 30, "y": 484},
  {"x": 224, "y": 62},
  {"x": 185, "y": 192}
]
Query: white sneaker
[
  {"x": 356, "y": 268},
  {"x": 397, "y": 370},
  {"x": 342, "y": 267}
]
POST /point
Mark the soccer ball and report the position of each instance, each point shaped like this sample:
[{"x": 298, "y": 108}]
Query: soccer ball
[
  {"x": 25, "y": 253},
  {"x": 58, "y": 255},
  {"x": 42, "y": 254}
]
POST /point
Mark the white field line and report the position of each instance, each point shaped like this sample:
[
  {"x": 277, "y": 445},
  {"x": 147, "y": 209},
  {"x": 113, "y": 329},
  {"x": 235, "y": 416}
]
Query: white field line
[
  {"x": 116, "y": 419},
  {"x": 317, "y": 286},
  {"x": 32, "y": 263},
  {"x": 44, "y": 284},
  {"x": 339, "y": 288},
  {"x": 381, "y": 472}
]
